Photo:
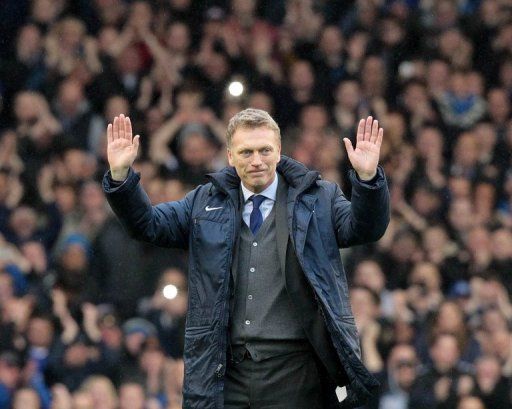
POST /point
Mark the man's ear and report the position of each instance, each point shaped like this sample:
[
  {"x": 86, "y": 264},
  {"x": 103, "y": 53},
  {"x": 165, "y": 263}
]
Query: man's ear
[{"x": 230, "y": 157}]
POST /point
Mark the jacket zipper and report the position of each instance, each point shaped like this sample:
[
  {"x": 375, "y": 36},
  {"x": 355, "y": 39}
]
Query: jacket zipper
[{"x": 222, "y": 339}]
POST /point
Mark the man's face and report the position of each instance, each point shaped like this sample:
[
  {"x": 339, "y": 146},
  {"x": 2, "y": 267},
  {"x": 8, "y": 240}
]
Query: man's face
[{"x": 255, "y": 153}]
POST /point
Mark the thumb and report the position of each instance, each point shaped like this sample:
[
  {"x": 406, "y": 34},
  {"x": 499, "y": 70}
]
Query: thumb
[{"x": 348, "y": 146}]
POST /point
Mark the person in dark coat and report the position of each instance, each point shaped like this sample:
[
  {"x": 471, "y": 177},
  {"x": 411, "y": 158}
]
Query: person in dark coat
[{"x": 269, "y": 322}]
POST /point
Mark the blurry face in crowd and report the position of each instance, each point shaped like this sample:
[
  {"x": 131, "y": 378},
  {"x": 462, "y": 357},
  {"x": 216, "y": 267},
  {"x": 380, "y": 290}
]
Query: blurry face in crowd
[
  {"x": 45, "y": 11},
  {"x": 498, "y": 105},
  {"x": 501, "y": 342},
  {"x": 429, "y": 142},
  {"x": 391, "y": 32},
  {"x": 103, "y": 392},
  {"x": 348, "y": 94},
  {"x": 83, "y": 400},
  {"x": 466, "y": 150},
  {"x": 23, "y": 221},
  {"x": 6, "y": 287},
  {"x": 178, "y": 37},
  {"x": 425, "y": 201},
  {"x": 10, "y": 374},
  {"x": 92, "y": 197},
  {"x": 26, "y": 398},
  {"x": 369, "y": 274},
  {"x": 216, "y": 67},
  {"x": 196, "y": 150},
  {"x": 461, "y": 214},
  {"x": 402, "y": 364},
  {"x": 243, "y": 7},
  {"x": 35, "y": 253},
  {"x": 314, "y": 116},
  {"x": 131, "y": 396},
  {"x": 488, "y": 371},
  {"x": 40, "y": 332},
  {"x": 470, "y": 402},
  {"x": 502, "y": 244},
  {"x": 486, "y": 136},
  {"x": 29, "y": 41},
  {"x": 261, "y": 100},
  {"x": 301, "y": 76},
  {"x": 70, "y": 97},
  {"x": 450, "y": 317},
  {"x": 438, "y": 74},
  {"x": 331, "y": 41},
  {"x": 255, "y": 154},
  {"x": 434, "y": 240},
  {"x": 364, "y": 306},
  {"x": 116, "y": 106},
  {"x": 479, "y": 240},
  {"x": 129, "y": 61},
  {"x": 445, "y": 352},
  {"x": 426, "y": 275},
  {"x": 494, "y": 321}
]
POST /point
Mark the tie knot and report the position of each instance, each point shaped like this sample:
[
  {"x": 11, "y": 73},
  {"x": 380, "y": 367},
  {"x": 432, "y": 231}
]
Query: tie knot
[{"x": 257, "y": 200}]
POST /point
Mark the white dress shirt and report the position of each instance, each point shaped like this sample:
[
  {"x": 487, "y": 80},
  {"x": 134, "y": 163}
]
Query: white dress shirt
[{"x": 265, "y": 207}]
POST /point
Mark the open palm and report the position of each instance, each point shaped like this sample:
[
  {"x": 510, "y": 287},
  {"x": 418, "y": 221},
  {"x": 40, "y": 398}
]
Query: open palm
[
  {"x": 365, "y": 157},
  {"x": 122, "y": 147}
]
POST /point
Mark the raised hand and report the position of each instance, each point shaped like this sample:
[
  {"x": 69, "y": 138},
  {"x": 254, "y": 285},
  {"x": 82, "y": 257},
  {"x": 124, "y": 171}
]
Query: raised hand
[
  {"x": 122, "y": 147},
  {"x": 365, "y": 157}
]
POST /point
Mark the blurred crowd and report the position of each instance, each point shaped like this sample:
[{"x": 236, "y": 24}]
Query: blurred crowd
[{"x": 91, "y": 319}]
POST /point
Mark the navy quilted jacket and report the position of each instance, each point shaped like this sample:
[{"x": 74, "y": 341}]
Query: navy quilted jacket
[{"x": 320, "y": 221}]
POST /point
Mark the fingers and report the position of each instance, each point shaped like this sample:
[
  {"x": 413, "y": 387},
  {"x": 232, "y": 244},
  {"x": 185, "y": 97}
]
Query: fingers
[
  {"x": 136, "y": 143},
  {"x": 348, "y": 146},
  {"x": 110, "y": 137},
  {"x": 368, "y": 128},
  {"x": 360, "y": 130},
  {"x": 122, "y": 132},
  {"x": 375, "y": 131},
  {"x": 116, "y": 128},
  {"x": 380, "y": 135},
  {"x": 128, "y": 128},
  {"x": 120, "y": 129}
]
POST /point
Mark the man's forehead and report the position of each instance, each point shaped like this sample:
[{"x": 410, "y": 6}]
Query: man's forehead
[
  {"x": 254, "y": 130},
  {"x": 255, "y": 136}
]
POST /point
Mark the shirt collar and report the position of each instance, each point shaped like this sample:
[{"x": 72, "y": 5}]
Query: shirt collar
[{"x": 270, "y": 192}]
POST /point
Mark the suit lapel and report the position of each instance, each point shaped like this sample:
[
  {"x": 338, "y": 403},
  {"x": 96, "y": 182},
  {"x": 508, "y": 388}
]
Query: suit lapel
[{"x": 281, "y": 221}]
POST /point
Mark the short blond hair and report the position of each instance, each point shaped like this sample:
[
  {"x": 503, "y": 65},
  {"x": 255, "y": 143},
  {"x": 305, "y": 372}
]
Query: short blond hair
[{"x": 251, "y": 118}]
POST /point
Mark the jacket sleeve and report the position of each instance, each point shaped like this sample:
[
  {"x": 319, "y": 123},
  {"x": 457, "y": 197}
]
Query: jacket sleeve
[
  {"x": 365, "y": 218},
  {"x": 165, "y": 225}
]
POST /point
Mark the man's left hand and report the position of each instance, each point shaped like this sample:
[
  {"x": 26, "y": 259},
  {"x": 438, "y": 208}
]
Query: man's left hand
[{"x": 365, "y": 157}]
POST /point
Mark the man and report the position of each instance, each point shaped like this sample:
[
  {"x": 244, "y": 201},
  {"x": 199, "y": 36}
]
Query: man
[
  {"x": 397, "y": 379},
  {"x": 269, "y": 323},
  {"x": 447, "y": 378}
]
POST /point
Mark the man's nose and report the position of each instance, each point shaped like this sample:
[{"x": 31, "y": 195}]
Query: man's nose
[{"x": 256, "y": 160}]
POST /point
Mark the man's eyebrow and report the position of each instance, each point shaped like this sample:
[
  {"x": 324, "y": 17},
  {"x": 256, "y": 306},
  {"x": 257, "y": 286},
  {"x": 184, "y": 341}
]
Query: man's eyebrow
[{"x": 245, "y": 148}]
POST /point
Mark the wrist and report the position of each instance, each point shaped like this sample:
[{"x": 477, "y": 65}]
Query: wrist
[
  {"x": 119, "y": 175},
  {"x": 366, "y": 177}
]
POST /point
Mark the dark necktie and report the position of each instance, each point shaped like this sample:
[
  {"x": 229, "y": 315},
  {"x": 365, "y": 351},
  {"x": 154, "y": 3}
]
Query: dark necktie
[{"x": 256, "y": 217}]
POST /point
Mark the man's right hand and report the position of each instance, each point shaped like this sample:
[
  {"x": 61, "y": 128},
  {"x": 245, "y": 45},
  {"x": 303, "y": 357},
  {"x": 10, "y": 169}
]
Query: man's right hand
[{"x": 122, "y": 148}]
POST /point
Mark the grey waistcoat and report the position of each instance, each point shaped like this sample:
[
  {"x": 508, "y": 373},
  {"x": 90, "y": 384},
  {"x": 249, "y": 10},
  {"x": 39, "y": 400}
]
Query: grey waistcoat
[{"x": 262, "y": 313}]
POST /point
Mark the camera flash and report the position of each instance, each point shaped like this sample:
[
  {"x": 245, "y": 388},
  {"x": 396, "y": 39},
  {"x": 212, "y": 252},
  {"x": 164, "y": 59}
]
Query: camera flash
[
  {"x": 170, "y": 291},
  {"x": 236, "y": 88}
]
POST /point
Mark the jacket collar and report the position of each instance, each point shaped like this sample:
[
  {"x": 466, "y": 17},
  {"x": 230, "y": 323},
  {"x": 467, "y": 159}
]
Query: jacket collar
[{"x": 297, "y": 175}]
